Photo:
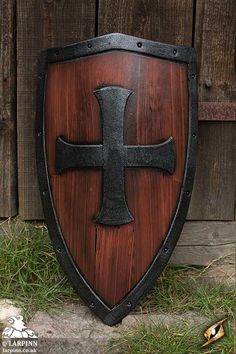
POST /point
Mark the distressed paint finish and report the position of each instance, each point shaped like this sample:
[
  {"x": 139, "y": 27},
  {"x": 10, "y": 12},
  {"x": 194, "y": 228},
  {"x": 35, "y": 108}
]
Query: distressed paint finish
[{"x": 113, "y": 259}]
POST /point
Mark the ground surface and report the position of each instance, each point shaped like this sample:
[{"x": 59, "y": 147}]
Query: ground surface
[{"x": 171, "y": 320}]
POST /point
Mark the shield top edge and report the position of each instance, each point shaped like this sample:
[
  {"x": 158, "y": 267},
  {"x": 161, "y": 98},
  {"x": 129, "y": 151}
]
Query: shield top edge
[{"x": 118, "y": 41}]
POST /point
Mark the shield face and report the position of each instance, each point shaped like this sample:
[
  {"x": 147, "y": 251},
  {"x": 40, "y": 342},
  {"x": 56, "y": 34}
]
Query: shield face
[{"x": 116, "y": 143}]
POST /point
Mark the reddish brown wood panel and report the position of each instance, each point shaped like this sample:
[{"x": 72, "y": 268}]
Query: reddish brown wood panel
[{"x": 113, "y": 259}]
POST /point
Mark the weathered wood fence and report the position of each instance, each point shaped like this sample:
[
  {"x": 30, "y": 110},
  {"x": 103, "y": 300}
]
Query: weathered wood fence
[{"x": 26, "y": 27}]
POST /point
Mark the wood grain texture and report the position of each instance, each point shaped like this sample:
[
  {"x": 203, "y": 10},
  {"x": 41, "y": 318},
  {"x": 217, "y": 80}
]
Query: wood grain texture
[
  {"x": 207, "y": 233},
  {"x": 214, "y": 187},
  {"x": 41, "y": 24},
  {"x": 166, "y": 21},
  {"x": 215, "y": 43},
  {"x": 8, "y": 185},
  {"x": 113, "y": 259},
  {"x": 203, "y": 242},
  {"x": 214, "y": 111}
]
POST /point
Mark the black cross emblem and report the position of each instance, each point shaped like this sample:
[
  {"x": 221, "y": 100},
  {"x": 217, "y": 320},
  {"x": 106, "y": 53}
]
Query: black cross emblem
[{"x": 113, "y": 156}]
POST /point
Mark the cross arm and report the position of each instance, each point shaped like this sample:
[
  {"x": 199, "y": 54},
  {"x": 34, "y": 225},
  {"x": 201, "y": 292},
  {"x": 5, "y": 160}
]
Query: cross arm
[
  {"x": 72, "y": 155},
  {"x": 160, "y": 156}
]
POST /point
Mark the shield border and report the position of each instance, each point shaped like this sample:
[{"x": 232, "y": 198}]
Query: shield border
[{"x": 116, "y": 41}]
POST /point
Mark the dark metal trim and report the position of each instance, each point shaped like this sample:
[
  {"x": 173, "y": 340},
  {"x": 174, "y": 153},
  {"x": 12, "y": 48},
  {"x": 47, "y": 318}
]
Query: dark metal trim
[{"x": 105, "y": 43}]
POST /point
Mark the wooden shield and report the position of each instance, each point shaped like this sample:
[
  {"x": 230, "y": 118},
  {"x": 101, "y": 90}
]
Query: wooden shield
[{"x": 116, "y": 143}]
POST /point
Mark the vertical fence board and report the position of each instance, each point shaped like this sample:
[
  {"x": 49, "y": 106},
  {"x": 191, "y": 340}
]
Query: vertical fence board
[
  {"x": 215, "y": 43},
  {"x": 168, "y": 21},
  {"x": 41, "y": 24},
  {"x": 214, "y": 187},
  {"x": 8, "y": 185}
]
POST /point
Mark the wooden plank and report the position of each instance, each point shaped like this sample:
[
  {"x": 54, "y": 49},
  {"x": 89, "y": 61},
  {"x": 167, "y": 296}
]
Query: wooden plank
[
  {"x": 207, "y": 233},
  {"x": 215, "y": 111},
  {"x": 168, "y": 21},
  {"x": 203, "y": 242},
  {"x": 8, "y": 186},
  {"x": 41, "y": 24},
  {"x": 203, "y": 255},
  {"x": 214, "y": 187},
  {"x": 215, "y": 35}
]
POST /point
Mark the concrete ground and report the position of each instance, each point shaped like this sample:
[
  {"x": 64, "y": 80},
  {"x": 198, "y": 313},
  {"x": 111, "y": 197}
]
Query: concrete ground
[{"x": 73, "y": 329}]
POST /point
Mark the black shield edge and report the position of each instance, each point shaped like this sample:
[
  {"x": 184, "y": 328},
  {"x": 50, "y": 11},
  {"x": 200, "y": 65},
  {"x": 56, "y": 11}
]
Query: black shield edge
[{"x": 179, "y": 54}]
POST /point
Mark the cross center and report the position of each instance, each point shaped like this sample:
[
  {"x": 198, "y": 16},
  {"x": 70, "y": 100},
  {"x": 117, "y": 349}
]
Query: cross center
[{"x": 113, "y": 156}]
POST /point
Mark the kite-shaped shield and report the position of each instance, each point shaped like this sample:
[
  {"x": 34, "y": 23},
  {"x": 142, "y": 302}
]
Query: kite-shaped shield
[{"x": 116, "y": 146}]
